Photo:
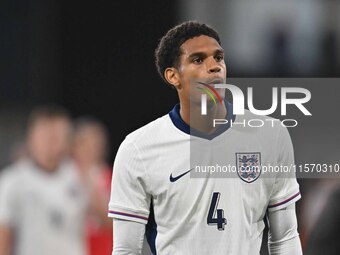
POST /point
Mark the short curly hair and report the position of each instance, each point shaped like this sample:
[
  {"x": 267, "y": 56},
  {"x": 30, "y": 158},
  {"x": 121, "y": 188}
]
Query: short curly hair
[{"x": 168, "y": 50}]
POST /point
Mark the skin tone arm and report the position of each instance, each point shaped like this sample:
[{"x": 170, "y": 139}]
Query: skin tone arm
[{"x": 5, "y": 240}]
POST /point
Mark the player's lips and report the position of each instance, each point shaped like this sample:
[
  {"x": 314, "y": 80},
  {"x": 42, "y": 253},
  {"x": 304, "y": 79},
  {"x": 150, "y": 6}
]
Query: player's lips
[{"x": 215, "y": 81}]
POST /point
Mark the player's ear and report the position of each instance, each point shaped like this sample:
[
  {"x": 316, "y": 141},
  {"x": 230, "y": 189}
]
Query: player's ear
[{"x": 172, "y": 77}]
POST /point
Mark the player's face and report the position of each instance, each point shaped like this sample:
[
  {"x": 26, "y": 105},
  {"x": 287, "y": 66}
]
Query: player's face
[
  {"x": 48, "y": 141},
  {"x": 90, "y": 145},
  {"x": 202, "y": 60}
]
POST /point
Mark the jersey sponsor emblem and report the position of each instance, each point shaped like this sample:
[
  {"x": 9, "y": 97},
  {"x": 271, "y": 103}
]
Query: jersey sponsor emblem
[
  {"x": 173, "y": 179},
  {"x": 248, "y": 166}
]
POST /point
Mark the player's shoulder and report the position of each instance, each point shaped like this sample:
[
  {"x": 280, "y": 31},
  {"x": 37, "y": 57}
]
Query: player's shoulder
[
  {"x": 249, "y": 116},
  {"x": 14, "y": 173},
  {"x": 261, "y": 124},
  {"x": 15, "y": 168}
]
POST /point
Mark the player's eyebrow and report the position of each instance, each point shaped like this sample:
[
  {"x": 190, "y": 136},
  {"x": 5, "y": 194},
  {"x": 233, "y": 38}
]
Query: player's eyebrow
[
  {"x": 219, "y": 51},
  {"x": 204, "y": 54}
]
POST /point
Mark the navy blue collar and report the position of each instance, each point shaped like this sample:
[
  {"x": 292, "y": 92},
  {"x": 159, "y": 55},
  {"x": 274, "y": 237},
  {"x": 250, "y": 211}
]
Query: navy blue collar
[{"x": 181, "y": 125}]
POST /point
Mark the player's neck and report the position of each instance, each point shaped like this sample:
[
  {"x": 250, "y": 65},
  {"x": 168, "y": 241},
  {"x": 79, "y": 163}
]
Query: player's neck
[
  {"x": 46, "y": 165},
  {"x": 191, "y": 115}
]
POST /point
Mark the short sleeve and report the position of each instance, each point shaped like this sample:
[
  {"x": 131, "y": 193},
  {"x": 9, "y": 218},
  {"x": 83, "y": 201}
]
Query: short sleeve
[
  {"x": 8, "y": 200},
  {"x": 286, "y": 188},
  {"x": 129, "y": 198}
]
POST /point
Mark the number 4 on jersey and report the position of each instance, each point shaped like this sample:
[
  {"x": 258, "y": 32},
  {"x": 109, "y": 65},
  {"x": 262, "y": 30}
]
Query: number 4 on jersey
[{"x": 220, "y": 221}]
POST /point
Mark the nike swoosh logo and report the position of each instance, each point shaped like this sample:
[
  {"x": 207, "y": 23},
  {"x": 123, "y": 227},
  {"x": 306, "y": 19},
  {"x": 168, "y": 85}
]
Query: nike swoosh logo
[{"x": 173, "y": 179}]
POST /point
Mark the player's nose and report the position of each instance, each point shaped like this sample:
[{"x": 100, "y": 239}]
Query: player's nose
[{"x": 213, "y": 66}]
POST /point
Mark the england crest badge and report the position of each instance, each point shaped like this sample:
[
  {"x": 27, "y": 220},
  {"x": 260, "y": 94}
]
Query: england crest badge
[{"x": 248, "y": 166}]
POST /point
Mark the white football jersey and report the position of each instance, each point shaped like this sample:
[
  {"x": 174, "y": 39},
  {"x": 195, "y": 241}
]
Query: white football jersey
[
  {"x": 155, "y": 182},
  {"x": 45, "y": 210}
]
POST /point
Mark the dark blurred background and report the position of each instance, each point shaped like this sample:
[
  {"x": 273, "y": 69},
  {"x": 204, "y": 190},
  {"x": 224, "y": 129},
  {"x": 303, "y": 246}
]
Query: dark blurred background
[
  {"x": 97, "y": 58},
  {"x": 93, "y": 57}
]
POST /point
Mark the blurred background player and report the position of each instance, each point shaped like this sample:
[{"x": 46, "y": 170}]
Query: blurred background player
[
  {"x": 42, "y": 201},
  {"x": 90, "y": 150}
]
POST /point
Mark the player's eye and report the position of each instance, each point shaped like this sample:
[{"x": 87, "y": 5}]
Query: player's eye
[
  {"x": 219, "y": 58},
  {"x": 197, "y": 60}
]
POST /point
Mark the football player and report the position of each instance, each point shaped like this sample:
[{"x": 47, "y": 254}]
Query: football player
[{"x": 153, "y": 186}]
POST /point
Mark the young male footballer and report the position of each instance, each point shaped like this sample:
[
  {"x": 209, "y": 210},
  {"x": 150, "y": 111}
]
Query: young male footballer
[{"x": 154, "y": 191}]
